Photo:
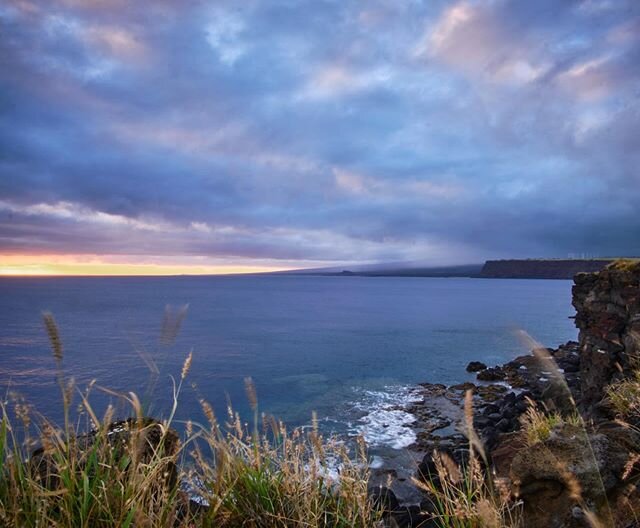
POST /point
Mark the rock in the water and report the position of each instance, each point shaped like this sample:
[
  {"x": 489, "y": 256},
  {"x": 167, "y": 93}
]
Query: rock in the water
[{"x": 476, "y": 366}]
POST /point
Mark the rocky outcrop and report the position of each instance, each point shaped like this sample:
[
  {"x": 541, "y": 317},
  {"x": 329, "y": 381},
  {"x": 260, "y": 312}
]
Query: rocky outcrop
[
  {"x": 588, "y": 468},
  {"x": 608, "y": 316}
]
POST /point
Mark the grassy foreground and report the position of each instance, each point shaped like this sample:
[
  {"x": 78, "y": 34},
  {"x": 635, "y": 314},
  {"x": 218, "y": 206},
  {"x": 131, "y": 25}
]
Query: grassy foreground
[
  {"x": 98, "y": 472},
  {"x": 138, "y": 472}
]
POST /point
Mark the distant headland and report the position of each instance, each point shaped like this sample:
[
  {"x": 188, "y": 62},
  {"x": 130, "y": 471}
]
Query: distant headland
[
  {"x": 492, "y": 269},
  {"x": 541, "y": 268}
]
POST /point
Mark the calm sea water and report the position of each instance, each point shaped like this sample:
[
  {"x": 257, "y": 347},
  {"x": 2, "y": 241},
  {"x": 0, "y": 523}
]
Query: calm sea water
[{"x": 349, "y": 348}]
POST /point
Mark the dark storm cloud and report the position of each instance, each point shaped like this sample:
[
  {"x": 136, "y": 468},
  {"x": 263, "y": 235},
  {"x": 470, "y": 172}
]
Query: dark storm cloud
[{"x": 320, "y": 131}]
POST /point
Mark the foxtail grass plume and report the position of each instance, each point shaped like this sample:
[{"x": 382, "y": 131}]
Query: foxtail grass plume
[
  {"x": 186, "y": 366},
  {"x": 54, "y": 335},
  {"x": 171, "y": 323},
  {"x": 252, "y": 396}
]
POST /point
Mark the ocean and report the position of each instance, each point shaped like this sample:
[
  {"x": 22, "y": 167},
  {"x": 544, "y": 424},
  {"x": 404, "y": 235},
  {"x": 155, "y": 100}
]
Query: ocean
[{"x": 351, "y": 349}]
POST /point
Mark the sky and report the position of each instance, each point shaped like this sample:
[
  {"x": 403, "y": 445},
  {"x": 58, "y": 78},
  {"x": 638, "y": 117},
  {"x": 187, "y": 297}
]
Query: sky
[{"x": 212, "y": 137}]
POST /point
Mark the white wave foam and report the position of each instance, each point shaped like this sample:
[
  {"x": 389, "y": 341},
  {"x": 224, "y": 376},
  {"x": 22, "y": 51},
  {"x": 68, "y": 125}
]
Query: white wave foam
[
  {"x": 376, "y": 462},
  {"x": 385, "y": 422}
]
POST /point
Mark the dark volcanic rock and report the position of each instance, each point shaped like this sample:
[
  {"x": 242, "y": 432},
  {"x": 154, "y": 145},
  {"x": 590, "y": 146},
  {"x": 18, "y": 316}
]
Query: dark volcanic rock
[
  {"x": 384, "y": 499},
  {"x": 608, "y": 315},
  {"x": 427, "y": 471},
  {"x": 492, "y": 374},
  {"x": 475, "y": 366},
  {"x": 491, "y": 409},
  {"x": 503, "y": 425},
  {"x": 412, "y": 517}
]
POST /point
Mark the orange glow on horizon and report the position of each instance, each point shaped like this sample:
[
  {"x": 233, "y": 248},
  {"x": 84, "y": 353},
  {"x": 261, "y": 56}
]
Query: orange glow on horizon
[{"x": 70, "y": 265}]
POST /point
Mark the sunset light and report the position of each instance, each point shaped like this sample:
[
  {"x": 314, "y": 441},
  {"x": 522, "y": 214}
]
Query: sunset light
[{"x": 55, "y": 265}]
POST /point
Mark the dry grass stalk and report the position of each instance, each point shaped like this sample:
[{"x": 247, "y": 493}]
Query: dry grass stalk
[
  {"x": 537, "y": 425},
  {"x": 278, "y": 480},
  {"x": 252, "y": 395},
  {"x": 54, "y": 335},
  {"x": 624, "y": 397},
  {"x": 186, "y": 366},
  {"x": 171, "y": 323},
  {"x": 634, "y": 458},
  {"x": 468, "y": 496}
]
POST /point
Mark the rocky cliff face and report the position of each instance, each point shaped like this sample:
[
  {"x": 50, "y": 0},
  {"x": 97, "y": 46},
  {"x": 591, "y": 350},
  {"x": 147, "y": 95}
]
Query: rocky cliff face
[{"x": 608, "y": 316}]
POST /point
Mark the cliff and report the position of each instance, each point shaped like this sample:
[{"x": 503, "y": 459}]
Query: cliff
[
  {"x": 540, "y": 268},
  {"x": 608, "y": 316}
]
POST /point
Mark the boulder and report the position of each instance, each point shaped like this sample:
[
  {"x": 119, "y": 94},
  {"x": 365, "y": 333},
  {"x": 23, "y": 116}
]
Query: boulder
[
  {"x": 491, "y": 374},
  {"x": 427, "y": 471},
  {"x": 476, "y": 366}
]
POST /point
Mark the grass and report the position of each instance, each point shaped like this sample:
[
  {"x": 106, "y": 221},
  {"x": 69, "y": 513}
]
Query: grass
[
  {"x": 101, "y": 473},
  {"x": 624, "y": 397},
  {"x": 470, "y": 496},
  {"x": 625, "y": 264},
  {"x": 537, "y": 425}
]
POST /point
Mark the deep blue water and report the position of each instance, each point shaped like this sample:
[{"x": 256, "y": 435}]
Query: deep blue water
[{"x": 331, "y": 344}]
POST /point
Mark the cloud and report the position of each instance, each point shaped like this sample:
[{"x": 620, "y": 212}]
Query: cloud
[
  {"x": 335, "y": 80},
  {"x": 115, "y": 41},
  {"x": 320, "y": 132},
  {"x": 408, "y": 189},
  {"x": 224, "y": 35}
]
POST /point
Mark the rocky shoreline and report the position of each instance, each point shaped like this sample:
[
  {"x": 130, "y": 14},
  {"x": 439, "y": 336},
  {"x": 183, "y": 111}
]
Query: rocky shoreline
[
  {"x": 564, "y": 380},
  {"x": 500, "y": 397}
]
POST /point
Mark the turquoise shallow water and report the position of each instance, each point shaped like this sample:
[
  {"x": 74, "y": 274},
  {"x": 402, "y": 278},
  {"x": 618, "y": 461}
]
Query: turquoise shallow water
[{"x": 346, "y": 347}]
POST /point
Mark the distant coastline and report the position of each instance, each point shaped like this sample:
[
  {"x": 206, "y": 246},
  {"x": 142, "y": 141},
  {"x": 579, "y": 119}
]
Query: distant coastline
[
  {"x": 562, "y": 269},
  {"x": 541, "y": 268}
]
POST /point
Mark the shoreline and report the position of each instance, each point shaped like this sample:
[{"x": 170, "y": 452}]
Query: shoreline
[
  {"x": 499, "y": 400},
  {"x": 559, "y": 429}
]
